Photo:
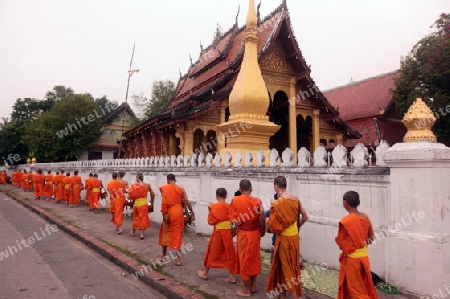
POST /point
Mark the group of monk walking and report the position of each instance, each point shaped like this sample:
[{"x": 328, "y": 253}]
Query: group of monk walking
[
  {"x": 62, "y": 187},
  {"x": 243, "y": 218}
]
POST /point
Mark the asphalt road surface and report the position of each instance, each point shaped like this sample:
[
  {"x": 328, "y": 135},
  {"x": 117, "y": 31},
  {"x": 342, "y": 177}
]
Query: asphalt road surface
[{"x": 39, "y": 261}]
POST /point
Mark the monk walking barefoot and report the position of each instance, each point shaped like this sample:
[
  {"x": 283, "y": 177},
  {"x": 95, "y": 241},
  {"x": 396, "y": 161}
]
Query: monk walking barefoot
[
  {"x": 138, "y": 194},
  {"x": 247, "y": 214},
  {"x": 355, "y": 233},
  {"x": 220, "y": 252},
  {"x": 171, "y": 232}
]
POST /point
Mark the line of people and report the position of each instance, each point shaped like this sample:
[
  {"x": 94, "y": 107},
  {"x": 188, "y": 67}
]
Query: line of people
[
  {"x": 243, "y": 218},
  {"x": 63, "y": 187}
]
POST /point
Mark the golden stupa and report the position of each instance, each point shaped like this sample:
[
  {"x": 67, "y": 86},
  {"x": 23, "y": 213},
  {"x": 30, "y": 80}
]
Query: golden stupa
[
  {"x": 418, "y": 121},
  {"x": 248, "y": 127}
]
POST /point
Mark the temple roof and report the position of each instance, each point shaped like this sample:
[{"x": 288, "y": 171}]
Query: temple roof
[
  {"x": 212, "y": 77},
  {"x": 367, "y": 98},
  {"x": 362, "y": 101},
  {"x": 118, "y": 111}
]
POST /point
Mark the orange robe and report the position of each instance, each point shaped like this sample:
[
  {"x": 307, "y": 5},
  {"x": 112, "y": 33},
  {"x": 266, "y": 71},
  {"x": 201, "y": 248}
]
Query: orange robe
[
  {"x": 88, "y": 188},
  {"x": 220, "y": 252},
  {"x": 67, "y": 183},
  {"x": 95, "y": 185},
  {"x": 28, "y": 181},
  {"x": 2, "y": 178},
  {"x": 57, "y": 180},
  {"x": 116, "y": 190},
  {"x": 285, "y": 269},
  {"x": 171, "y": 234},
  {"x": 355, "y": 278},
  {"x": 75, "y": 181},
  {"x": 48, "y": 188},
  {"x": 244, "y": 209},
  {"x": 38, "y": 185},
  {"x": 138, "y": 193},
  {"x": 14, "y": 178}
]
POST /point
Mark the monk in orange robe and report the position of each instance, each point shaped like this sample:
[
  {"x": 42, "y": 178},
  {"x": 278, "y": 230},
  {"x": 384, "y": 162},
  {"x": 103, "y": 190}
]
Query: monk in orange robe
[
  {"x": 96, "y": 187},
  {"x": 171, "y": 231},
  {"x": 77, "y": 186},
  {"x": 59, "y": 187},
  {"x": 38, "y": 185},
  {"x": 355, "y": 232},
  {"x": 88, "y": 188},
  {"x": 14, "y": 179},
  {"x": 27, "y": 179},
  {"x": 220, "y": 252},
  {"x": 138, "y": 194},
  {"x": 286, "y": 218},
  {"x": 66, "y": 181},
  {"x": 2, "y": 177},
  {"x": 247, "y": 214},
  {"x": 116, "y": 189},
  {"x": 48, "y": 185}
]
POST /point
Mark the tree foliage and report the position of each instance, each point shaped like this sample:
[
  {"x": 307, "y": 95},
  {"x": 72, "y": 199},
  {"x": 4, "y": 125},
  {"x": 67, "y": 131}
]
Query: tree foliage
[
  {"x": 162, "y": 94},
  {"x": 24, "y": 112},
  {"x": 60, "y": 134},
  {"x": 425, "y": 73}
]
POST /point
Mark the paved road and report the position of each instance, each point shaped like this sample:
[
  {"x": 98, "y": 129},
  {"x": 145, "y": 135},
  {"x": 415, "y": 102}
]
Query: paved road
[{"x": 38, "y": 261}]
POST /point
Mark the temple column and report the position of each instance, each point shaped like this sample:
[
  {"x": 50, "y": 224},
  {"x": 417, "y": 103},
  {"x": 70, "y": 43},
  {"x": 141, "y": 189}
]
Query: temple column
[
  {"x": 171, "y": 150},
  {"x": 144, "y": 144},
  {"x": 188, "y": 141},
  {"x": 220, "y": 137},
  {"x": 316, "y": 129},
  {"x": 292, "y": 118}
]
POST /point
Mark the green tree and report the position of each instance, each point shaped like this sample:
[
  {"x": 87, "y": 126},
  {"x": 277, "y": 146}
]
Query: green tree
[
  {"x": 425, "y": 73},
  {"x": 162, "y": 94},
  {"x": 24, "y": 112},
  {"x": 62, "y": 133},
  {"x": 58, "y": 93}
]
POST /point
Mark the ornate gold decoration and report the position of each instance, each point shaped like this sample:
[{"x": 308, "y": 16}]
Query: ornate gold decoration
[
  {"x": 275, "y": 60},
  {"x": 28, "y": 161},
  {"x": 33, "y": 161},
  {"x": 273, "y": 80},
  {"x": 248, "y": 127},
  {"x": 418, "y": 121}
]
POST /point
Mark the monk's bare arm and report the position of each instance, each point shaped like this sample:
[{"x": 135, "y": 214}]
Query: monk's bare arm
[
  {"x": 303, "y": 216},
  {"x": 188, "y": 204}
]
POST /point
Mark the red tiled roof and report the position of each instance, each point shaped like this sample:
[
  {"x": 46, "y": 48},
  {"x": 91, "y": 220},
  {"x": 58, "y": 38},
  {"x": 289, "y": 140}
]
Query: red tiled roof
[
  {"x": 212, "y": 76},
  {"x": 392, "y": 131},
  {"x": 366, "y": 98}
]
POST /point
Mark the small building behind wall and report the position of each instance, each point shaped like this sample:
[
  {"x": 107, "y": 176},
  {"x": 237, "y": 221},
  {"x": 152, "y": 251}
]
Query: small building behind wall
[
  {"x": 107, "y": 147},
  {"x": 189, "y": 124}
]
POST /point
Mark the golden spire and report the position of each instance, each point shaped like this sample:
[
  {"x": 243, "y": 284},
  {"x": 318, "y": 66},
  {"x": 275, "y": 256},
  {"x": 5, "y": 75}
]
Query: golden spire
[
  {"x": 248, "y": 127},
  {"x": 418, "y": 121},
  {"x": 249, "y": 94}
]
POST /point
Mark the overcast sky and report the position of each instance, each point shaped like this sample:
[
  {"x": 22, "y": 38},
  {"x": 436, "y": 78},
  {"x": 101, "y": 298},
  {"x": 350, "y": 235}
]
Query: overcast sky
[{"x": 87, "y": 44}]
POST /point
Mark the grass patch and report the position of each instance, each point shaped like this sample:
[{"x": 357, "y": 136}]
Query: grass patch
[
  {"x": 47, "y": 209},
  {"x": 137, "y": 258},
  {"x": 200, "y": 292},
  {"x": 202, "y": 235}
]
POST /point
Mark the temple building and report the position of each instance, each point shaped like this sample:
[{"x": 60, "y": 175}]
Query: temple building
[
  {"x": 368, "y": 107},
  {"x": 197, "y": 116},
  {"x": 113, "y": 126}
]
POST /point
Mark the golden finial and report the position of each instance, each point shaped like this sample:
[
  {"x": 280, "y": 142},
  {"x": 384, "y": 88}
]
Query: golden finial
[
  {"x": 28, "y": 161},
  {"x": 418, "y": 121},
  {"x": 33, "y": 161}
]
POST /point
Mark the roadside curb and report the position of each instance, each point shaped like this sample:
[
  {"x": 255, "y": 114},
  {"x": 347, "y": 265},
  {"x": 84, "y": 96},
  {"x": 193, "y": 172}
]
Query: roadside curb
[{"x": 157, "y": 281}]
